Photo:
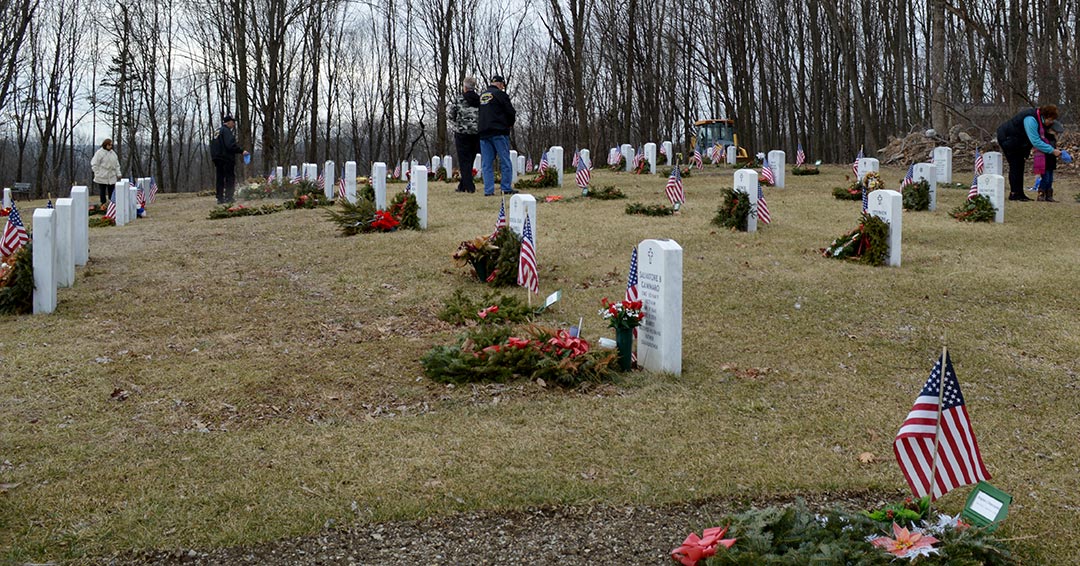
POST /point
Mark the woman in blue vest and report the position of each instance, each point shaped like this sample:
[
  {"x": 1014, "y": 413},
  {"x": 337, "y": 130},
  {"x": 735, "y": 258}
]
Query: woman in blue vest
[{"x": 1017, "y": 136}]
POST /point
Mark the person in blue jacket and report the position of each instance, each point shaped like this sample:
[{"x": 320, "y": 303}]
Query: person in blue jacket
[{"x": 1017, "y": 136}]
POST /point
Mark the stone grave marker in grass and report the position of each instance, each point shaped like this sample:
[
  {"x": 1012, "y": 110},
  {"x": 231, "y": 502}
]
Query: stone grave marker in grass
[
  {"x": 746, "y": 181},
  {"x": 64, "y": 260},
  {"x": 660, "y": 280},
  {"x": 350, "y": 182},
  {"x": 419, "y": 187},
  {"x": 992, "y": 164},
  {"x": 992, "y": 187},
  {"x": 650, "y": 156},
  {"x": 927, "y": 172},
  {"x": 943, "y": 162},
  {"x": 778, "y": 161},
  {"x": 80, "y": 235},
  {"x": 867, "y": 165},
  {"x": 888, "y": 205},
  {"x": 44, "y": 260},
  {"x": 555, "y": 159}
]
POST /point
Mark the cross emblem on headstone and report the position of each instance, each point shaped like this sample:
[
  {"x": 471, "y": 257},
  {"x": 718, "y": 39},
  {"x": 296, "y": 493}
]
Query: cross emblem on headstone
[
  {"x": 650, "y": 254},
  {"x": 879, "y": 199}
]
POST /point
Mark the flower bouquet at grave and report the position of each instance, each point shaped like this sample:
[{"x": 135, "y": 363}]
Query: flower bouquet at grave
[
  {"x": 976, "y": 209},
  {"x": 548, "y": 179},
  {"x": 5, "y": 211},
  {"x": 734, "y": 210},
  {"x": 234, "y": 210},
  {"x": 619, "y": 165},
  {"x": 493, "y": 258},
  {"x": 258, "y": 188},
  {"x": 624, "y": 315},
  {"x": 650, "y": 210},
  {"x": 868, "y": 243},
  {"x": 491, "y": 309},
  {"x": 607, "y": 192},
  {"x": 500, "y": 353},
  {"x": 17, "y": 281},
  {"x": 796, "y": 535},
  {"x": 917, "y": 196}
]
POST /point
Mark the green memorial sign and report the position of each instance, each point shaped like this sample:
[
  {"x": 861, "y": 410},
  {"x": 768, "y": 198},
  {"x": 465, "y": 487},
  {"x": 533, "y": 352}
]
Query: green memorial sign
[{"x": 987, "y": 506}]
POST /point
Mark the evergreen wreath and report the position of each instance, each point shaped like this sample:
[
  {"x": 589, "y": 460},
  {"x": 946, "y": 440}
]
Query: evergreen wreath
[
  {"x": 805, "y": 170},
  {"x": 405, "y": 209},
  {"x": 363, "y": 217},
  {"x": 494, "y": 258},
  {"x": 17, "y": 282},
  {"x": 545, "y": 180},
  {"x": 607, "y": 192},
  {"x": 734, "y": 210},
  {"x": 491, "y": 309},
  {"x": 232, "y": 211},
  {"x": 868, "y": 243},
  {"x": 100, "y": 222},
  {"x": 649, "y": 210},
  {"x": 619, "y": 165},
  {"x": 917, "y": 196},
  {"x": 685, "y": 170},
  {"x": 852, "y": 192},
  {"x": 976, "y": 209}
]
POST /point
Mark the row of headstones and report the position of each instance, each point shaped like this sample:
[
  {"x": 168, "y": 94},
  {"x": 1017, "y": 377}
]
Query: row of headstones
[
  {"x": 990, "y": 184},
  {"x": 555, "y": 155},
  {"x": 61, "y": 242}
]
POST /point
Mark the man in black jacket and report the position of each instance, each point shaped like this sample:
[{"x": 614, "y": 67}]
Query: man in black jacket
[
  {"x": 223, "y": 151},
  {"x": 497, "y": 116}
]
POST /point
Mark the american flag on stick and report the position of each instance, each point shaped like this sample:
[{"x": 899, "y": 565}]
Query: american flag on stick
[
  {"x": 110, "y": 211},
  {"x": 674, "y": 188},
  {"x": 583, "y": 174},
  {"x": 529, "y": 165},
  {"x": 980, "y": 165},
  {"x": 543, "y": 163},
  {"x": 762, "y": 207},
  {"x": 500, "y": 222},
  {"x": 767, "y": 172},
  {"x": 936, "y": 446},
  {"x": 14, "y": 233},
  {"x": 577, "y": 158},
  {"x": 528, "y": 276},
  {"x": 397, "y": 170},
  {"x": 631, "y": 289},
  {"x": 341, "y": 187},
  {"x": 154, "y": 190},
  {"x": 320, "y": 182},
  {"x": 800, "y": 155},
  {"x": 855, "y": 164},
  {"x": 865, "y": 199},
  {"x": 909, "y": 178},
  {"x": 974, "y": 190},
  {"x": 697, "y": 159}
]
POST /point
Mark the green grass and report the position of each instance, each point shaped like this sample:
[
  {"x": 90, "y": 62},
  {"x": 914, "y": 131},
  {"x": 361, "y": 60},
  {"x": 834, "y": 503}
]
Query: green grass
[{"x": 274, "y": 379}]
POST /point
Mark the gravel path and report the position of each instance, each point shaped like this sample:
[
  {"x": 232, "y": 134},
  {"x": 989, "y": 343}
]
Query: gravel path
[{"x": 557, "y": 535}]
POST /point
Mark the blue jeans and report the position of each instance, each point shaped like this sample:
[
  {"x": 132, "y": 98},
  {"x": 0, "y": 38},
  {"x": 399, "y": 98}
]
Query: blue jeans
[
  {"x": 1047, "y": 183},
  {"x": 489, "y": 147}
]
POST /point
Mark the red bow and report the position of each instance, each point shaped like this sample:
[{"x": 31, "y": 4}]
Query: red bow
[
  {"x": 694, "y": 549},
  {"x": 482, "y": 313},
  {"x": 564, "y": 341}
]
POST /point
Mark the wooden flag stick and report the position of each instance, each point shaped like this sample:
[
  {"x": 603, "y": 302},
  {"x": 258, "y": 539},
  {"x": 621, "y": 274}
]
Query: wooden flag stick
[{"x": 937, "y": 422}]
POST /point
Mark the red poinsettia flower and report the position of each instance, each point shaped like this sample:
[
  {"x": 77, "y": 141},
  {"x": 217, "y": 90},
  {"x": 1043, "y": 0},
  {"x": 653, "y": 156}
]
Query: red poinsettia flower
[
  {"x": 906, "y": 544},
  {"x": 519, "y": 343}
]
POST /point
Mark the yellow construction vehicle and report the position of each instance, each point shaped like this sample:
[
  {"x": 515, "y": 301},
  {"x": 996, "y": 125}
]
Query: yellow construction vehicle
[{"x": 722, "y": 131}]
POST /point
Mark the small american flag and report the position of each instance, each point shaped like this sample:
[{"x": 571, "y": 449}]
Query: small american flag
[
  {"x": 529, "y": 165},
  {"x": 110, "y": 211},
  {"x": 270, "y": 178},
  {"x": 855, "y": 164},
  {"x": 631, "y": 289},
  {"x": 500, "y": 222},
  {"x": 980, "y": 165},
  {"x": 577, "y": 158},
  {"x": 341, "y": 187},
  {"x": 800, "y": 155},
  {"x": 939, "y": 412},
  {"x": 663, "y": 149},
  {"x": 865, "y": 199},
  {"x": 320, "y": 182},
  {"x": 49, "y": 204},
  {"x": 674, "y": 188},
  {"x": 14, "y": 233},
  {"x": 717, "y": 153},
  {"x": 408, "y": 186},
  {"x": 140, "y": 199},
  {"x": 528, "y": 275},
  {"x": 639, "y": 158},
  {"x": 583, "y": 175},
  {"x": 154, "y": 189},
  {"x": 974, "y": 190},
  {"x": 762, "y": 206},
  {"x": 543, "y": 163},
  {"x": 767, "y": 172},
  {"x": 397, "y": 171},
  {"x": 697, "y": 159},
  {"x": 909, "y": 178},
  {"x": 296, "y": 178}
]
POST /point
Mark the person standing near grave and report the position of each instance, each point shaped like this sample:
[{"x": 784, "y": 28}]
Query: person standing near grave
[
  {"x": 106, "y": 168},
  {"x": 1017, "y": 136},
  {"x": 1046, "y": 163},
  {"x": 497, "y": 116},
  {"x": 464, "y": 115},
  {"x": 223, "y": 152}
]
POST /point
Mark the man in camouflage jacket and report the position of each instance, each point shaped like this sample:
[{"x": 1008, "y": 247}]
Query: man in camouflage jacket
[{"x": 463, "y": 115}]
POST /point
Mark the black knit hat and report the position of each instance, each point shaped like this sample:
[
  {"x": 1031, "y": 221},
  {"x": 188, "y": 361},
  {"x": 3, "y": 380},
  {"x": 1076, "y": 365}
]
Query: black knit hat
[{"x": 227, "y": 118}]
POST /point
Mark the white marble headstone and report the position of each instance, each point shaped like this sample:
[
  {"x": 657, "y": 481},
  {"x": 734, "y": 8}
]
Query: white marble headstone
[
  {"x": 279, "y": 173},
  {"x": 992, "y": 187},
  {"x": 7, "y": 197},
  {"x": 513, "y": 167},
  {"x": 44, "y": 260},
  {"x": 732, "y": 155},
  {"x": 120, "y": 196},
  {"x": 888, "y": 205},
  {"x": 350, "y": 181},
  {"x": 746, "y": 181},
  {"x": 627, "y": 152},
  {"x": 778, "y": 162},
  {"x": 668, "y": 148},
  {"x": 64, "y": 256},
  {"x": 927, "y": 172},
  {"x": 293, "y": 172},
  {"x": 133, "y": 206},
  {"x": 436, "y": 162},
  {"x": 660, "y": 281},
  {"x": 520, "y": 205},
  {"x": 378, "y": 184},
  {"x": 419, "y": 183},
  {"x": 555, "y": 159},
  {"x": 329, "y": 180},
  {"x": 943, "y": 161},
  {"x": 448, "y": 164},
  {"x": 868, "y": 165},
  {"x": 80, "y": 235},
  {"x": 520, "y": 165},
  {"x": 650, "y": 156},
  {"x": 992, "y": 163},
  {"x": 586, "y": 157}
]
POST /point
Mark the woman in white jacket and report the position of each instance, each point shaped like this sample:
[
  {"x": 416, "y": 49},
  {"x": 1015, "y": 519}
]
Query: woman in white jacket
[{"x": 106, "y": 168}]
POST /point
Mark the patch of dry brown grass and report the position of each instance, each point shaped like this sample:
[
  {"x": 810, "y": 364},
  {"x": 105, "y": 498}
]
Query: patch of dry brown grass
[{"x": 270, "y": 372}]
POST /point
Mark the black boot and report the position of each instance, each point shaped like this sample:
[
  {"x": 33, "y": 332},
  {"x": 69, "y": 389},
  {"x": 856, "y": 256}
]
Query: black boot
[{"x": 1049, "y": 195}]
